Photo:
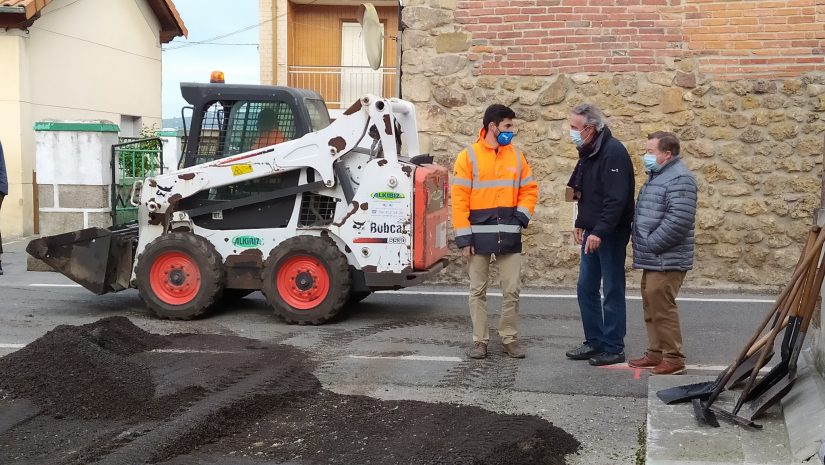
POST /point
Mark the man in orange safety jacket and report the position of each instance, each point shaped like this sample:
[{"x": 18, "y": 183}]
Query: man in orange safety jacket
[{"x": 493, "y": 198}]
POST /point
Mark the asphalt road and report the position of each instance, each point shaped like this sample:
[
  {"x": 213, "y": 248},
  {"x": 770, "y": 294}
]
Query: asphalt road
[{"x": 412, "y": 345}]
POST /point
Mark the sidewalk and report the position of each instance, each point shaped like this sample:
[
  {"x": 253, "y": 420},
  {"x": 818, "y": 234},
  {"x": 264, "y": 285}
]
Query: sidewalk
[
  {"x": 791, "y": 432},
  {"x": 15, "y": 264}
]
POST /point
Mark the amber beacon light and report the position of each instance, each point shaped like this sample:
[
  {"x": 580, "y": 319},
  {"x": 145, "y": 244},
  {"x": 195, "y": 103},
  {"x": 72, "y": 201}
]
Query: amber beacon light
[{"x": 216, "y": 77}]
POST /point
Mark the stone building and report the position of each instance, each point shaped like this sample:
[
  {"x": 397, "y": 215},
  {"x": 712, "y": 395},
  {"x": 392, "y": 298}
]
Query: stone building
[{"x": 740, "y": 82}]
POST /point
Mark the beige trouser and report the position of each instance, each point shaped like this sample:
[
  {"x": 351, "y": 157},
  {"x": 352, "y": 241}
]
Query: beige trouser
[
  {"x": 659, "y": 290},
  {"x": 509, "y": 270}
]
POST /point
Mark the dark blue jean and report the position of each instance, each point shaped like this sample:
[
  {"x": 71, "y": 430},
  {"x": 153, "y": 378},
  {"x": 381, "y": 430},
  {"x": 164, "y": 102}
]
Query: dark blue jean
[{"x": 605, "y": 324}]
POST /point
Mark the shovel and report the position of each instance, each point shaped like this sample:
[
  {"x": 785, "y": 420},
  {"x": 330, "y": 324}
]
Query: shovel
[
  {"x": 744, "y": 369},
  {"x": 688, "y": 392},
  {"x": 788, "y": 341},
  {"x": 741, "y": 369},
  {"x": 806, "y": 262},
  {"x": 685, "y": 393},
  {"x": 706, "y": 412},
  {"x": 783, "y": 384}
]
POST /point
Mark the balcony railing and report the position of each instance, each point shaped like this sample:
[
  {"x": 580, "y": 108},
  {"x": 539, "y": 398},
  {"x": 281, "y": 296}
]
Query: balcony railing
[{"x": 342, "y": 85}]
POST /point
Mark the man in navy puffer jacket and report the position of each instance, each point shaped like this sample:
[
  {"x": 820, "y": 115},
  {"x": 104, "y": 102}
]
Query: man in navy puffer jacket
[{"x": 663, "y": 230}]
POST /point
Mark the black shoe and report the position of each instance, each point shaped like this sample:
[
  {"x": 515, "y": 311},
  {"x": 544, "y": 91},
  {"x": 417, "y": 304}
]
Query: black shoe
[
  {"x": 582, "y": 353},
  {"x": 1, "y": 270},
  {"x": 607, "y": 359}
]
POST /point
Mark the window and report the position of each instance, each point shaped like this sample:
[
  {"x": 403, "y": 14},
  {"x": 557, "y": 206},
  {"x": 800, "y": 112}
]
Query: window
[
  {"x": 318, "y": 114},
  {"x": 213, "y": 128},
  {"x": 253, "y": 125}
]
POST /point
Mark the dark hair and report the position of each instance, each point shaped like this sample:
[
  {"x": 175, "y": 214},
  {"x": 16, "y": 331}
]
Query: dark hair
[
  {"x": 496, "y": 113},
  {"x": 267, "y": 119},
  {"x": 668, "y": 142}
]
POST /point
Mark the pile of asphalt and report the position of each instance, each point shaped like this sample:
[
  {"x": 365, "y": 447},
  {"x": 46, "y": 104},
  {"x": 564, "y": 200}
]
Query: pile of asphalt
[
  {"x": 84, "y": 371},
  {"x": 105, "y": 393}
]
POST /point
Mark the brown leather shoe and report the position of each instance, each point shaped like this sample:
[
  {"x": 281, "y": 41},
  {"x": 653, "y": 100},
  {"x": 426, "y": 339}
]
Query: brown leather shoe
[
  {"x": 667, "y": 368},
  {"x": 512, "y": 349},
  {"x": 643, "y": 362},
  {"x": 479, "y": 350}
]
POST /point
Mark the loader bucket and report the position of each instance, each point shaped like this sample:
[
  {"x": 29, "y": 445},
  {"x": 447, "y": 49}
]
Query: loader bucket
[{"x": 98, "y": 259}]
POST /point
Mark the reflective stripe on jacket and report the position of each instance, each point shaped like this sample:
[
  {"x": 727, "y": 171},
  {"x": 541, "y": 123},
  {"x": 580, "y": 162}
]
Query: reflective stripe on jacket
[{"x": 493, "y": 196}]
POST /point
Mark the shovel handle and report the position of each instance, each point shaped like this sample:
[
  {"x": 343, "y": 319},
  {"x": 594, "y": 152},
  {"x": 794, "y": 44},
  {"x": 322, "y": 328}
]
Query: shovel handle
[
  {"x": 810, "y": 276},
  {"x": 762, "y": 340},
  {"x": 801, "y": 267},
  {"x": 820, "y": 239},
  {"x": 811, "y": 298},
  {"x": 783, "y": 307},
  {"x": 807, "y": 315}
]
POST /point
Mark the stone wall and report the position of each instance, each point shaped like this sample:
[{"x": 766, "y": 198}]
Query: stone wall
[{"x": 755, "y": 144}]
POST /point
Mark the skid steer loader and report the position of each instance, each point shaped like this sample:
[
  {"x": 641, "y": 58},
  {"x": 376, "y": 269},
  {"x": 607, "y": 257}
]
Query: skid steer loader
[{"x": 271, "y": 196}]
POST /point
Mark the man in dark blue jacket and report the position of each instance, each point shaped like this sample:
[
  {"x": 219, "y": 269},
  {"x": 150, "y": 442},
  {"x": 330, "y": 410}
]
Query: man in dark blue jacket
[
  {"x": 603, "y": 183},
  {"x": 663, "y": 230},
  {"x": 4, "y": 191}
]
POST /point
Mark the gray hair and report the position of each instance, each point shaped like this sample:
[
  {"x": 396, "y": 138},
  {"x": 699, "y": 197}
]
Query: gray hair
[{"x": 592, "y": 115}]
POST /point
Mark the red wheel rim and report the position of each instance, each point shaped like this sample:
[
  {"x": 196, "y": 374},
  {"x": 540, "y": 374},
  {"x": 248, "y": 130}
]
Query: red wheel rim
[
  {"x": 303, "y": 282},
  {"x": 175, "y": 278}
]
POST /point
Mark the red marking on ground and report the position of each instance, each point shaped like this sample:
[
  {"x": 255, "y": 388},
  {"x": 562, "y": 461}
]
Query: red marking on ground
[{"x": 637, "y": 372}]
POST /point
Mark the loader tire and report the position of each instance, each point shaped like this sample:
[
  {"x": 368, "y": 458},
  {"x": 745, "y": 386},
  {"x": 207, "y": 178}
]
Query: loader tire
[
  {"x": 180, "y": 276},
  {"x": 306, "y": 280}
]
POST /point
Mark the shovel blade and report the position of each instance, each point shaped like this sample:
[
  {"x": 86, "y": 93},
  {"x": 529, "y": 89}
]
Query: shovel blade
[
  {"x": 777, "y": 373},
  {"x": 744, "y": 370},
  {"x": 733, "y": 418},
  {"x": 758, "y": 406},
  {"x": 686, "y": 393},
  {"x": 703, "y": 414}
]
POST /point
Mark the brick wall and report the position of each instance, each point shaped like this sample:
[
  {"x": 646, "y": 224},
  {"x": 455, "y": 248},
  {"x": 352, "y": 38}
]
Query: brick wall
[
  {"x": 730, "y": 38},
  {"x": 757, "y": 38}
]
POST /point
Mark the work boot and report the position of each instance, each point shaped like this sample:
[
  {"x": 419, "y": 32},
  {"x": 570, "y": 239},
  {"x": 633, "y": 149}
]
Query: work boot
[
  {"x": 643, "y": 362},
  {"x": 667, "y": 368},
  {"x": 584, "y": 352},
  {"x": 513, "y": 350},
  {"x": 479, "y": 350},
  {"x": 607, "y": 359}
]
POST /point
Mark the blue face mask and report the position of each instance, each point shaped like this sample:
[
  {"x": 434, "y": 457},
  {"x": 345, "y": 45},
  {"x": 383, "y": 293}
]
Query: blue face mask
[
  {"x": 504, "y": 138},
  {"x": 576, "y": 137},
  {"x": 650, "y": 163}
]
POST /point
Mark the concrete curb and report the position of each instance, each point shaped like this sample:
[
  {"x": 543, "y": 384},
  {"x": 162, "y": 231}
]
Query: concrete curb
[{"x": 804, "y": 409}]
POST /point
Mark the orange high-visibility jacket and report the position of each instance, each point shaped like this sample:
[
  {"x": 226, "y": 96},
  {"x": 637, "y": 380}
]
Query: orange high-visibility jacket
[{"x": 493, "y": 196}]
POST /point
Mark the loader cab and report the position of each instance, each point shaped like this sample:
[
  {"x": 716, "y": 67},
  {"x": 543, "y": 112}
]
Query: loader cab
[{"x": 228, "y": 119}]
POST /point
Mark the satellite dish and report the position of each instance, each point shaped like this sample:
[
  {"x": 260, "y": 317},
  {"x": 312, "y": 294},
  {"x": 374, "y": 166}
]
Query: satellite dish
[{"x": 373, "y": 34}]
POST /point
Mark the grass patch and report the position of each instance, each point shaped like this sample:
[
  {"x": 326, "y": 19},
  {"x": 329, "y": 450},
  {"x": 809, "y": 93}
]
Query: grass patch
[{"x": 641, "y": 452}]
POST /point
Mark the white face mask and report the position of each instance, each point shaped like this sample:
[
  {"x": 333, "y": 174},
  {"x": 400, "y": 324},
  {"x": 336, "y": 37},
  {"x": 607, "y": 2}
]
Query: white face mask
[
  {"x": 650, "y": 162},
  {"x": 576, "y": 137}
]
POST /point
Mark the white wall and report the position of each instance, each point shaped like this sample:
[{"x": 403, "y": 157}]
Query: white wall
[{"x": 87, "y": 60}]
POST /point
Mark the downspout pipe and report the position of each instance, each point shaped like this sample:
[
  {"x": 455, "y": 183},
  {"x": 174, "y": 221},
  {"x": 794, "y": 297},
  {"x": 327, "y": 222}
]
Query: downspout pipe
[{"x": 398, "y": 41}]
